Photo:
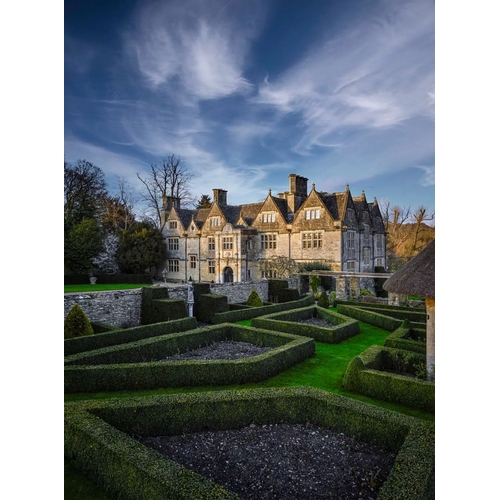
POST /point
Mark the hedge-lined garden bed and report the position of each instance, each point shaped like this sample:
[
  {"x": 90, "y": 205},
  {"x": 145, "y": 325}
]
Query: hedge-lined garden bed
[
  {"x": 137, "y": 365},
  {"x": 385, "y": 320},
  {"x": 122, "y": 336},
  {"x": 415, "y": 315},
  {"x": 99, "y": 438},
  {"x": 379, "y": 371},
  {"x": 253, "y": 312},
  {"x": 342, "y": 327},
  {"x": 407, "y": 337}
]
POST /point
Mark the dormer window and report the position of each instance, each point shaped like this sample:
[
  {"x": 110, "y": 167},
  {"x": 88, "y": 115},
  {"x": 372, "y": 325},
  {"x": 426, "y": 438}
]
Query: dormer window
[
  {"x": 214, "y": 221},
  {"x": 172, "y": 224},
  {"x": 269, "y": 217},
  {"x": 312, "y": 213}
]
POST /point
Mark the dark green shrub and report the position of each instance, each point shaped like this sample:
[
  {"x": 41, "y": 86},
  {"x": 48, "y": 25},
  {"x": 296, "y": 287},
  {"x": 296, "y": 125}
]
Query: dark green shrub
[
  {"x": 164, "y": 310},
  {"x": 314, "y": 282},
  {"x": 288, "y": 295},
  {"x": 254, "y": 299},
  {"x": 208, "y": 305},
  {"x": 323, "y": 300},
  {"x": 314, "y": 266},
  {"x": 76, "y": 324},
  {"x": 274, "y": 286}
]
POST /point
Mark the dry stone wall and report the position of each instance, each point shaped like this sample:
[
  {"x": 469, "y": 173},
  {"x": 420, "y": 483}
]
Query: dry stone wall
[
  {"x": 123, "y": 308},
  {"x": 120, "y": 308}
]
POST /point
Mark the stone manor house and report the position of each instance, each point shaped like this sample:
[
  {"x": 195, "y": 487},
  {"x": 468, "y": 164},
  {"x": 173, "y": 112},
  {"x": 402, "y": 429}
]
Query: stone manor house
[{"x": 228, "y": 243}]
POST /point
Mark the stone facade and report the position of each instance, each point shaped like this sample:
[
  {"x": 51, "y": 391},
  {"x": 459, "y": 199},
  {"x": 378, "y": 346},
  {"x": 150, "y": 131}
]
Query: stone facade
[{"x": 227, "y": 243}]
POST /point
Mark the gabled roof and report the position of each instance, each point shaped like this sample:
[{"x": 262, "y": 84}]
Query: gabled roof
[
  {"x": 185, "y": 216},
  {"x": 231, "y": 213},
  {"x": 250, "y": 211},
  {"x": 417, "y": 276},
  {"x": 200, "y": 216},
  {"x": 376, "y": 217},
  {"x": 282, "y": 207},
  {"x": 333, "y": 203},
  {"x": 360, "y": 206}
]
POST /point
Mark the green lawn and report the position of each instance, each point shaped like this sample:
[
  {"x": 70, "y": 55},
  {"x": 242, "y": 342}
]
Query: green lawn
[
  {"x": 102, "y": 287},
  {"x": 325, "y": 370}
]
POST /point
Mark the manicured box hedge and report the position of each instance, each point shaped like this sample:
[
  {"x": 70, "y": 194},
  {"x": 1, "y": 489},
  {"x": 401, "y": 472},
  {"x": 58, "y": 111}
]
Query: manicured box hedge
[
  {"x": 136, "y": 365},
  {"x": 79, "y": 279},
  {"x": 342, "y": 327},
  {"x": 99, "y": 438},
  {"x": 252, "y": 312},
  {"x": 288, "y": 295},
  {"x": 208, "y": 305},
  {"x": 416, "y": 315},
  {"x": 156, "y": 306},
  {"x": 365, "y": 375},
  {"x": 122, "y": 336},
  {"x": 401, "y": 339},
  {"x": 371, "y": 317}
]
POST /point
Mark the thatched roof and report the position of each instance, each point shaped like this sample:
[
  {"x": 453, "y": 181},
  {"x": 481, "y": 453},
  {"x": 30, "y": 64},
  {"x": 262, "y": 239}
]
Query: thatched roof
[{"x": 416, "y": 277}]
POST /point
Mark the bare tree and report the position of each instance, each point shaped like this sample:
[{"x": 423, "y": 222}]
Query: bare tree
[
  {"x": 169, "y": 178},
  {"x": 120, "y": 214},
  {"x": 420, "y": 241}
]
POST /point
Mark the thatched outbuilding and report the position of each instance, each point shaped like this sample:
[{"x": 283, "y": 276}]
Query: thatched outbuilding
[{"x": 417, "y": 277}]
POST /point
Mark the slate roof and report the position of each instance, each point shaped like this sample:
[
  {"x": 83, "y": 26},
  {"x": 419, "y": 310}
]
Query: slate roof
[
  {"x": 231, "y": 213},
  {"x": 417, "y": 276},
  {"x": 200, "y": 216},
  {"x": 185, "y": 215},
  {"x": 334, "y": 202},
  {"x": 250, "y": 211},
  {"x": 282, "y": 206}
]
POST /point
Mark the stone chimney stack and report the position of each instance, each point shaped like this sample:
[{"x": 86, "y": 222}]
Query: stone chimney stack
[
  {"x": 298, "y": 192},
  {"x": 220, "y": 196}
]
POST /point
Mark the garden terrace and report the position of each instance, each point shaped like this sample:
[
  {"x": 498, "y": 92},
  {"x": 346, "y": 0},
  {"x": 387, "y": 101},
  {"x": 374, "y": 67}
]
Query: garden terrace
[
  {"x": 382, "y": 373},
  {"x": 138, "y": 365},
  {"x": 294, "y": 321},
  {"x": 99, "y": 438}
]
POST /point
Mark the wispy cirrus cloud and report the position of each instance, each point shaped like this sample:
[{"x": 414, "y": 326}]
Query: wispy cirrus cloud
[
  {"x": 374, "y": 77},
  {"x": 202, "y": 45}
]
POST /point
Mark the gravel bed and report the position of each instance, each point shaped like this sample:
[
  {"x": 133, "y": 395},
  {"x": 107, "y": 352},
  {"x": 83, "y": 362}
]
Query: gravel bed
[
  {"x": 282, "y": 461},
  {"x": 317, "y": 322},
  {"x": 227, "y": 349}
]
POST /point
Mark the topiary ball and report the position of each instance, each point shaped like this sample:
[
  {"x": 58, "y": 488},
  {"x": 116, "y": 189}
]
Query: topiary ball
[{"x": 77, "y": 324}]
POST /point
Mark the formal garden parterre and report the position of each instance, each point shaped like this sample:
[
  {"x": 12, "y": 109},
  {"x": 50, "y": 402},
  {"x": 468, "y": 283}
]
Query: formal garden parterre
[{"x": 88, "y": 422}]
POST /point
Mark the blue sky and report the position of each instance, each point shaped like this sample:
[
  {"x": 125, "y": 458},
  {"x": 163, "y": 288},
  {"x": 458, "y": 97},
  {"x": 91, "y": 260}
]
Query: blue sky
[{"x": 341, "y": 92}]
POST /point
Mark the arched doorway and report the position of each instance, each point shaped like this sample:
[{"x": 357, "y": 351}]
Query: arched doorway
[{"x": 228, "y": 275}]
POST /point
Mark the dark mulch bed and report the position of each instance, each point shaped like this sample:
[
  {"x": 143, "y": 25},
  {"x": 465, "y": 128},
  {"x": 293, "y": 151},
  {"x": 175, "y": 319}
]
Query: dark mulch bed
[
  {"x": 282, "y": 462},
  {"x": 317, "y": 322},
  {"x": 227, "y": 349}
]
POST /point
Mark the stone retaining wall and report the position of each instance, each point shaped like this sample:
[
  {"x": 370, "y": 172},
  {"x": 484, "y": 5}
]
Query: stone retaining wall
[
  {"x": 118, "y": 308},
  {"x": 123, "y": 308}
]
